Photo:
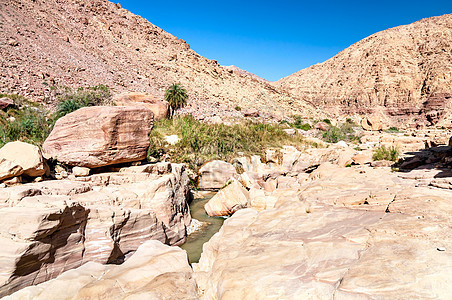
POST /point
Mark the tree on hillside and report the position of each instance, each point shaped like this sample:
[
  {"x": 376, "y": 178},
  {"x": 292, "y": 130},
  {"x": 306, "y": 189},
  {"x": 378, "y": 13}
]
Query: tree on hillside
[{"x": 177, "y": 97}]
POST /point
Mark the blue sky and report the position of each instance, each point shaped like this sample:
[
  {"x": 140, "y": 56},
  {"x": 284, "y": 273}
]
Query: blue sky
[{"x": 274, "y": 39}]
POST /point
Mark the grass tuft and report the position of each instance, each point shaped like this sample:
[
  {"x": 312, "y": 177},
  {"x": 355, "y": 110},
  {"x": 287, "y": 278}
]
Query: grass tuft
[
  {"x": 393, "y": 130},
  {"x": 25, "y": 122},
  {"x": 383, "y": 153},
  {"x": 202, "y": 142},
  {"x": 70, "y": 100},
  {"x": 298, "y": 123},
  {"x": 343, "y": 132}
]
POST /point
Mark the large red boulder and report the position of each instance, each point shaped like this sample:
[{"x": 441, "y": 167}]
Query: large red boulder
[{"x": 100, "y": 135}]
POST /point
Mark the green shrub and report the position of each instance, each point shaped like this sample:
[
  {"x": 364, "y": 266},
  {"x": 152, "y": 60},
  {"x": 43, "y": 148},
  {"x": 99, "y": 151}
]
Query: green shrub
[
  {"x": 305, "y": 127},
  {"x": 393, "y": 130},
  {"x": 70, "y": 100},
  {"x": 344, "y": 132},
  {"x": 238, "y": 108},
  {"x": 30, "y": 124},
  {"x": 327, "y": 121},
  {"x": 350, "y": 121},
  {"x": 298, "y": 123},
  {"x": 200, "y": 142},
  {"x": 20, "y": 101},
  {"x": 333, "y": 135},
  {"x": 383, "y": 153},
  {"x": 67, "y": 106}
]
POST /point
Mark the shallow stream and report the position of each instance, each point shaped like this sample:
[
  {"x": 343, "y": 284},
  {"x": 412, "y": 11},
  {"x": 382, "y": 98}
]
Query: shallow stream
[{"x": 211, "y": 225}]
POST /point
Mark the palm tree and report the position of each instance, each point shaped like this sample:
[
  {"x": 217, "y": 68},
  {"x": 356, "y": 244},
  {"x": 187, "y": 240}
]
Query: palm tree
[{"x": 177, "y": 97}]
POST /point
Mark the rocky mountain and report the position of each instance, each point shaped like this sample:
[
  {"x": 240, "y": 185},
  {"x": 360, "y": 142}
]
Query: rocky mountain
[
  {"x": 242, "y": 72},
  {"x": 84, "y": 43},
  {"x": 404, "y": 71}
]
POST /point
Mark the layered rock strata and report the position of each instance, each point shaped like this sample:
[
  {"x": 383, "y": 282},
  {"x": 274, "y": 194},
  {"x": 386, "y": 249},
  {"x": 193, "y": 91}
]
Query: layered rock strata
[
  {"x": 54, "y": 226},
  {"x": 100, "y": 135},
  {"x": 155, "y": 271},
  {"x": 403, "y": 73}
]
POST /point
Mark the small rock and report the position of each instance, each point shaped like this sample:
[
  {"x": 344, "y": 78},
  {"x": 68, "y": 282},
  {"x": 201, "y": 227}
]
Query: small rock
[
  {"x": 290, "y": 131},
  {"x": 341, "y": 144},
  {"x": 152, "y": 159},
  {"x": 371, "y": 124},
  {"x": 9, "y": 169},
  {"x": 80, "y": 171},
  {"x": 172, "y": 139},
  {"x": 213, "y": 120},
  {"x": 28, "y": 156},
  {"x": 13, "y": 42},
  {"x": 271, "y": 156},
  {"x": 251, "y": 113},
  {"x": 59, "y": 169},
  {"x": 321, "y": 126},
  {"x": 215, "y": 174},
  {"x": 13, "y": 181},
  {"x": 227, "y": 200},
  {"x": 38, "y": 179},
  {"x": 381, "y": 163},
  {"x": 361, "y": 159},
  {"x": 441, "y": 249},
  {"x": 6, "y": 102},
  {"x": 194, "y": 226}
]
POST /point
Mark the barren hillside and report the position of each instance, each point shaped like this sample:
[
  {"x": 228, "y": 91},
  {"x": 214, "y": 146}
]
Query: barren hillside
[
  {"x": 402, "y": 71},
  {"x": 80, "y": 43},
  {"x": 244, "y": 73}
]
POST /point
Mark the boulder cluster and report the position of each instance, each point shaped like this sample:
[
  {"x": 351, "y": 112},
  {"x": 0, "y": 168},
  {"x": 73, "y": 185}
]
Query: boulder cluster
[
  {"x": 331, "y": 223},
  {"x": 101, "y": 208},
  {"x": 301, "y": 223}
]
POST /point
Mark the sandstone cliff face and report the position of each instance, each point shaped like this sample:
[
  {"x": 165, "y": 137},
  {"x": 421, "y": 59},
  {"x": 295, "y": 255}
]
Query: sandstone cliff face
[
  {"x": 400, "y": 71},
  {"x": 81, "y": 43}
]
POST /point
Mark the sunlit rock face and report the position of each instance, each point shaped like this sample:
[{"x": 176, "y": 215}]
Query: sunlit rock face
[
  {"x": 402, "y": 73},
  {"x": 53, "y": 226},
  {"x": 155, "y": 271},
  {"x": 100, "y": 135},
  {"x": 351, "y": 233}
]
